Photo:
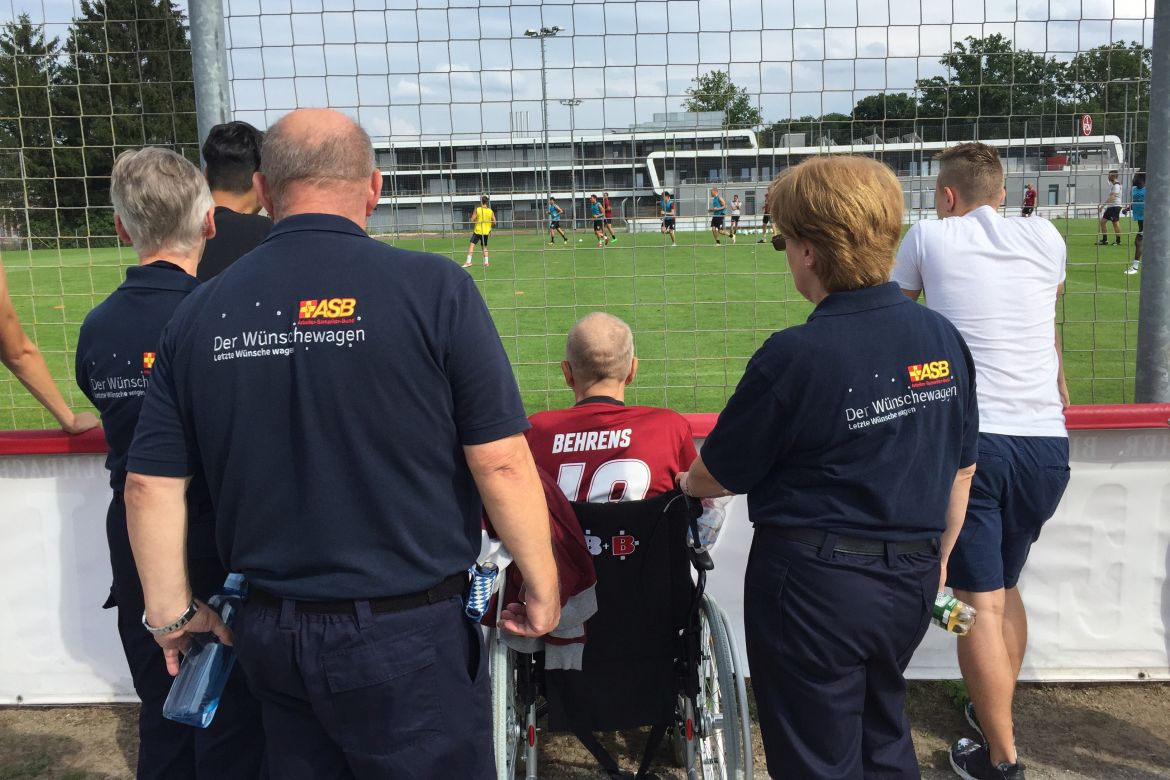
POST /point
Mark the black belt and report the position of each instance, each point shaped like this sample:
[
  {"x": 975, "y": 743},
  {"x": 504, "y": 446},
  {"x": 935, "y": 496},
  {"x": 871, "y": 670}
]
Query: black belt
[
  {"x": 855, "y": 545},
  {"x": 452, "y": 586}
]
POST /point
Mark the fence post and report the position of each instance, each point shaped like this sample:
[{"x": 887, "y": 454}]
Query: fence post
[
  {"x": 1153, "y": 346},
  {"x": 209, "y": 65}
]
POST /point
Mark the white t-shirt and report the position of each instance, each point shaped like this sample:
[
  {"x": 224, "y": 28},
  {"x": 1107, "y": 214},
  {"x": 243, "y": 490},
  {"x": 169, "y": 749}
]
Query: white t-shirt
[
  {"x": 735, "y": 208},
  {"x": 995, "y": 279},
  {"x": 1114, "y": 196}
]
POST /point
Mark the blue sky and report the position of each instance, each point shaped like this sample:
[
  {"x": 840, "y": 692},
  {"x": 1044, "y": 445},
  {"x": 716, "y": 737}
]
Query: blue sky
[{"x": 411, "y": 67}]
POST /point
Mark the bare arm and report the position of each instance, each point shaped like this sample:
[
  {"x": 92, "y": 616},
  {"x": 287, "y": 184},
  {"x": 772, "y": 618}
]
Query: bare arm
[
  {"x": 20, "y": 355},
  {"x": 956, "y": 513},
  {"x": 1061, "y": 384},
  {"x": 156, "y": 519},
  {"x": 698, "y": 482},
  {"x": 513, "y": 497}
]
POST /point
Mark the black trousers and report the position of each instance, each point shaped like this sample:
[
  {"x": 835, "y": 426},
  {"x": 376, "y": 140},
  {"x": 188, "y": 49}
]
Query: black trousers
[
  {"x": 828, "y": 638},
  {"x": 232, "y": 746},
  {"x": 391, "y": 695}
]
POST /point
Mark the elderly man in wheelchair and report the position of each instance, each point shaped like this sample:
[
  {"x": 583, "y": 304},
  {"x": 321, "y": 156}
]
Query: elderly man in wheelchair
[{"x": 640, "y": 644}]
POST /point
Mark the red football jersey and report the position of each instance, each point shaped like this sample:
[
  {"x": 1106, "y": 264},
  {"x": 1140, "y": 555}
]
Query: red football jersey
[
  {"x": 605, "y": 204},
  {"x": 603, "y": 451}
]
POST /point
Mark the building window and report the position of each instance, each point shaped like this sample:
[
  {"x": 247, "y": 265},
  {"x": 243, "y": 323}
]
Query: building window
[{"x": 1053, "y": 194}]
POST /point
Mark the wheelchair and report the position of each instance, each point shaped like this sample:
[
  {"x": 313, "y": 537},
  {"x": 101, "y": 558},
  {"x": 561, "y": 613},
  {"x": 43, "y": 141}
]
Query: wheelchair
[{"x": 659, "y": 652}]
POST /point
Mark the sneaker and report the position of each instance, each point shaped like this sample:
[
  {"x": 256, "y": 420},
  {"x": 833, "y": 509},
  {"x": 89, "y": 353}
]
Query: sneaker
[
  {"x": 718, "y": 242},
  {"x": 1133, "y": 269},
  {"x": 760, "y": 241},
  {"x": 733, "y": 239},
  {"x": 487, "y": 264},
  {"x": 1116, "y": 243},
  {"x": 971, "y": 761},
  {"x": 1103, "y": 242},
  {"x": 467, "y": 264}
]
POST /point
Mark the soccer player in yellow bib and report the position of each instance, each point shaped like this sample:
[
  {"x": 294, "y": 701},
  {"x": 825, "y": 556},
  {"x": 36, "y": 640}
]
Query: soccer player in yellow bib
[{"x": 482, "y": 222}]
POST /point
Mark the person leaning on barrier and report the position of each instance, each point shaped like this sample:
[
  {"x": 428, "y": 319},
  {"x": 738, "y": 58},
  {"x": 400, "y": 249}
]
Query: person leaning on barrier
[
  {"x": 20, "y": 355},
  {"x": 162, "y": 208},
  {"x": 999, "y": 280},
  {"x": 853, "y": 436},
  {"x": 231, "y": 156},
  {"x": 350, "y": 404}
]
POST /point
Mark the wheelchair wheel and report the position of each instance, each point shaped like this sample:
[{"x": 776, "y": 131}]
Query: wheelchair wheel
[
  {"x": 745, "y": 720},
  {"x": 717, "y": 710},
  {"x": 506, "y": 729}
]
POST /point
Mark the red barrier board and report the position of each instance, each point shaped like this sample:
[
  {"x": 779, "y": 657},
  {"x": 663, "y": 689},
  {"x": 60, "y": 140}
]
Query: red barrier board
[{"x": 1079, "y": 418}]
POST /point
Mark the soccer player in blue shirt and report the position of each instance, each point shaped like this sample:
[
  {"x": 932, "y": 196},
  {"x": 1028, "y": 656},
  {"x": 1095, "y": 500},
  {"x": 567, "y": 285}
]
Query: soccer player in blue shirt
[
  {"x": 598, "y": 221},
  {"x": 554, "y": 221},
  {"x": 1137, "y": 205},
  {"x": 668, "y": 210},
  {"x": 718, "y": 211}
]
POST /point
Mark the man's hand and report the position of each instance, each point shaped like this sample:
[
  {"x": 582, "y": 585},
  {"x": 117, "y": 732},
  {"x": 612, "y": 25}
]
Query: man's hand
[
  {"x": 80, "y": 423},
  {"x": 174, "y": 644},
  {"x": 534, "y": 615}
]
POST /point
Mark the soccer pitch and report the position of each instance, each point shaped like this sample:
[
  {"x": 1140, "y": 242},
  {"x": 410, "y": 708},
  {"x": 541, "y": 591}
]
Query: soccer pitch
[{"x": 698, "y": 310}]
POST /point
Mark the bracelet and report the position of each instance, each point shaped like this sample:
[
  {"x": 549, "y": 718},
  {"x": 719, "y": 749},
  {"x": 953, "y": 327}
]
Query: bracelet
[
  {"x": 182, "y": 620},
  {"x": 684, "y": 483}
]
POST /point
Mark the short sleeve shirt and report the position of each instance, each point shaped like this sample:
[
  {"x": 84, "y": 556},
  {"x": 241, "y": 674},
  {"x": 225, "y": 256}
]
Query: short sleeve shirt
[
  {"x": 1137, "y": 197},
  {"x": 602, "y": 450},
  {"x": 116, "y": 351},
  {"x": 235, "y": 235},
  {"x": 855, "y": 422},
  {"x": 326, "y": 387},
  {"x": 996, "y": 279}
]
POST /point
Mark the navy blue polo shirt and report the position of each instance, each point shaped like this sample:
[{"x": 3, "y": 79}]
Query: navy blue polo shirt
[
  {"x": 326, "y": 387},
  {"x": 854, "y": 422},
  {"x": 116, "y": 351}
]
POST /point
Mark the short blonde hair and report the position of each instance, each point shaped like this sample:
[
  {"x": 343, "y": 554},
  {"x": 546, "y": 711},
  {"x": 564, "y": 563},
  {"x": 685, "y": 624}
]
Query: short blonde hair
[
  {"x": 600, "y": 346},
  {"x": 161, "y": 198},
  {"x": 849, "y": 209},
  {"x": 972, "y": 170}
]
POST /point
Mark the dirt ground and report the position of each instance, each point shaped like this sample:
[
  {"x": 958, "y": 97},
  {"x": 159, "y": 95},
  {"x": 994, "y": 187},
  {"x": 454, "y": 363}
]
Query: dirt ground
[{"x": 1101, "y": 732}]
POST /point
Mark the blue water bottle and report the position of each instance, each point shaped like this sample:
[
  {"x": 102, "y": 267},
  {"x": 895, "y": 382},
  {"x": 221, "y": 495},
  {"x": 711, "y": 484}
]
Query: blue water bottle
[{"x": 207, "y": 664}]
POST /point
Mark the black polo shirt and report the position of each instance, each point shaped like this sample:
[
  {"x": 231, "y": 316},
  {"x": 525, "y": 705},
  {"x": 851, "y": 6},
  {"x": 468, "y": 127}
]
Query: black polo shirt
[
  {"x": 236, "y": 234},
  {"x": 854, "y": 422},
  {"x": 327, "y": 387},
  {"x": 116, "y": 351}
]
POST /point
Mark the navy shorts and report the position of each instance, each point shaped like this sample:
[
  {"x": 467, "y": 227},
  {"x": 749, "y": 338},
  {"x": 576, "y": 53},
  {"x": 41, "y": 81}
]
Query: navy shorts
[
  {"x": 1112, "y": 214},
  {"x": 554, "y": 225},
  {"x": 716, "y": 222},
  {"x": 668, "y": 223},
  {"x": 1018, "y": 483}
]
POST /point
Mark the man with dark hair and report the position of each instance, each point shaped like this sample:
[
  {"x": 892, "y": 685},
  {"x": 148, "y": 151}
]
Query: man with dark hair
[
  {"x": 998, "y": 280},
  {"x": 231, "y": 155}
]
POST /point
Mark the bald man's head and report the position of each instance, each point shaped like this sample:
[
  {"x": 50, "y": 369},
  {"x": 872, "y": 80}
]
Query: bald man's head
[
  {"x": 315, "y": 149},
  {"x": 600, "y": 347}
]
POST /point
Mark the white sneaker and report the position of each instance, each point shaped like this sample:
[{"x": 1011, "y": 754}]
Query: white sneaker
[
  {"x": 1133, "y": 269},
  {"x": 467, "y": 264},
  {"x": 486, "y": 264}
]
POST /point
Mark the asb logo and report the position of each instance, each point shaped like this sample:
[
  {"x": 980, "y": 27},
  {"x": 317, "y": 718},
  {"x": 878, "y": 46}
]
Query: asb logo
[
  {"x": 922, "y": 372},
  {"x": 325, "y": 310},
  {"x": 147, "y": 362}
]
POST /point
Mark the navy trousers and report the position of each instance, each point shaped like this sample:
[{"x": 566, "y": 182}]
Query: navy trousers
[
  {"x": 828, "y": 637},
  {"x": 390, "y": 695},
  {"x": 232, "y": 747}
]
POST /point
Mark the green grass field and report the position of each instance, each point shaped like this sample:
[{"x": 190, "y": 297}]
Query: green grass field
[{"x": 698, "y": 311}]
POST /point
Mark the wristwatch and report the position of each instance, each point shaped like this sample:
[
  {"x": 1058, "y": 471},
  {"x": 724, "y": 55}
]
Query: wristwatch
[{"x": 182, "y": 620}]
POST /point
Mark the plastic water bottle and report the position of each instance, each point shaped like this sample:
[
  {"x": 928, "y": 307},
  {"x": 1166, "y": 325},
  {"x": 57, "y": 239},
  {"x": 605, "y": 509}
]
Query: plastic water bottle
[
  {"x": 952, "y": 615},
  {"x": 207, "y": 664},
  {"x": 479, "y": 591}
]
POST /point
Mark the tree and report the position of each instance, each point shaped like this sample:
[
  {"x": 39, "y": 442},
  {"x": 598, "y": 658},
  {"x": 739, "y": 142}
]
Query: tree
[
  {"x": 1111, "y": 83},
  {"x": 714, "y": 91},
  {"x": 888, "y": 116},
  {"x": 991, "y": 87},
  {"x": 28, "y": 67},
  {"x": 127, "y": 83}
]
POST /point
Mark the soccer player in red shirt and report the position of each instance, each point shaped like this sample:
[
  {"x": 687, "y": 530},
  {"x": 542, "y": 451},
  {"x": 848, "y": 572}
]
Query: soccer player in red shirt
[
  {"x": 1029, "y": 200},
  {"x": 599, "y": 449},
  {"x": 607, "y": 207}
]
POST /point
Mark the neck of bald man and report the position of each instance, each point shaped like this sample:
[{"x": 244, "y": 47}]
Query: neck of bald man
[
  {"x": 341, "y": 199},
  {"x": 611, "y": 388}
]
